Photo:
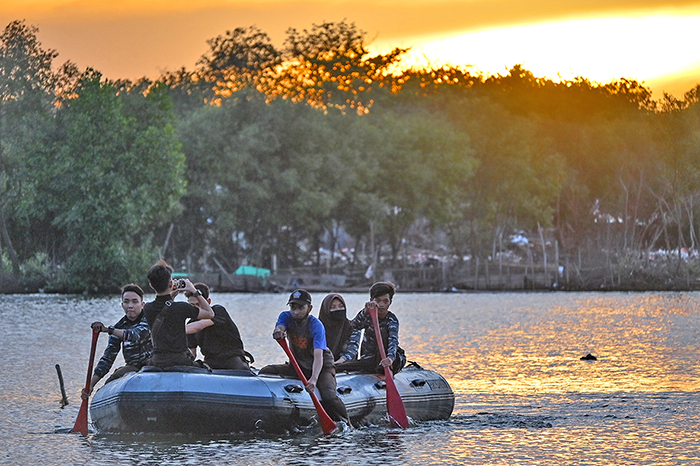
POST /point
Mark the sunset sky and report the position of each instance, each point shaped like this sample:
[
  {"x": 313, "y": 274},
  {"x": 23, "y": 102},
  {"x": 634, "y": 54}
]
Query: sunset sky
[{"x": 652, "y": 41}]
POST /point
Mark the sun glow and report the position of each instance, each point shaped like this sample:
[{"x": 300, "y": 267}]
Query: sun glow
[{"x": 645, "y": 48}]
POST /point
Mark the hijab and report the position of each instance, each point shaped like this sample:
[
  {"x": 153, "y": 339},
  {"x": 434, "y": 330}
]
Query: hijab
[{"x": 338, "y": 328}]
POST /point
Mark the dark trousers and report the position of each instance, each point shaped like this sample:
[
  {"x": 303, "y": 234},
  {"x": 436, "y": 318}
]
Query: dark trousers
[
  {"x": 326, "y": 385},
  {"x": 121, "y": 371},
  {"x": 234, "y": 362},
  {"x": 172, "y": 359},
  {"x": 369, "y": 366}
]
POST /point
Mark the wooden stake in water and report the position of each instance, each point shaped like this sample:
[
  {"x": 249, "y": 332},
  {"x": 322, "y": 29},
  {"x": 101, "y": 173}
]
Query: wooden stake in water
[{"x": 64, "y": 398}]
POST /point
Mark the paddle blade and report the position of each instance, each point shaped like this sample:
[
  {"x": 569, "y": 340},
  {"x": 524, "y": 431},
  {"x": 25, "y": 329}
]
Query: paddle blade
[
  {"x": 81, "y": 422},
  {"x": 394, "y": 404},
  {"x": 328, "y": 425}
]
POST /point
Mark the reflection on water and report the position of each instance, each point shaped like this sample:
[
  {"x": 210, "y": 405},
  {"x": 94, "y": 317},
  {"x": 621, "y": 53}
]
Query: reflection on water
[
  {"x": 643, "y": 342},
  {"x": 513, "y": 360}
]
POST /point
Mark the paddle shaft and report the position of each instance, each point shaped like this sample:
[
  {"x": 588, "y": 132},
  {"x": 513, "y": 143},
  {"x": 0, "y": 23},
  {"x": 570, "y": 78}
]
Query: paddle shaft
[
  {"x": 81, "y": 422},
  {"x": 327, "y": 424},
  {"x": 394, "y": 403}
]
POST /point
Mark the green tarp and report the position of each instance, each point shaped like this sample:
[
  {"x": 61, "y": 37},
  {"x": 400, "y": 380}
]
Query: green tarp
[{"x": 254, "y": 271}]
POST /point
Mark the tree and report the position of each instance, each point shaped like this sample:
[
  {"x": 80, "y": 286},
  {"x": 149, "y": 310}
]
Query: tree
[
  {"x": 111, "y": 176},
  {"x": 26, "y": 84},
  {"x": 330, "y": 66},
  {"x": 255, "y": 181},
  {"x": 419, "y": 159},
  {"x": 243, "y": 57}
]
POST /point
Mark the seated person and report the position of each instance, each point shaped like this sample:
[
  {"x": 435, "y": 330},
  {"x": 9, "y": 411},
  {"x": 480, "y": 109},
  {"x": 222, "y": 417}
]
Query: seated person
[
  {"x": 218, "y": 338},
  {"x": 307, "y": 342},
  {"x": 341, "y": 338},
  {"x": 131, "y": 335},
  {"x": 167, "y": 318},
  {"x": 381, "y": 296}
]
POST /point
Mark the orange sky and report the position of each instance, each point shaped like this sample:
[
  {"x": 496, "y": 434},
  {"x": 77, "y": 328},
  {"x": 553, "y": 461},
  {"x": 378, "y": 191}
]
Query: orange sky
[{"x": 648, "y": 40}]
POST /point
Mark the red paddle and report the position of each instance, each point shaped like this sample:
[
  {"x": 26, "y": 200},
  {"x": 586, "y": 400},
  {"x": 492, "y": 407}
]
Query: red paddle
[
  {"x": 81, "y": 423},
  {"x": 327, "y": 424},
  {"x": 394, "y": 403}
]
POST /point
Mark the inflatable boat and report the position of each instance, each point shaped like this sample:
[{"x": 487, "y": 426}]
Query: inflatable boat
[{"x": 195, "y": 400}]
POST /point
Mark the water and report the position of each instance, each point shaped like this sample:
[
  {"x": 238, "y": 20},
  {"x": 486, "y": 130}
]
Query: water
[{"x": 523, "y": 396}]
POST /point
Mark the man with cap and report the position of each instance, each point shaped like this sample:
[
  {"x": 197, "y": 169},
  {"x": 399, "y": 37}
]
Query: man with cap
[{"x": 307, "y": 341}]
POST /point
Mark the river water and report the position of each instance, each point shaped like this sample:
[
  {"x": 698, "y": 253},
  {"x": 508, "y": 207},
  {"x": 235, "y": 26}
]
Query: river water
[{"x": 523, "y": 396}]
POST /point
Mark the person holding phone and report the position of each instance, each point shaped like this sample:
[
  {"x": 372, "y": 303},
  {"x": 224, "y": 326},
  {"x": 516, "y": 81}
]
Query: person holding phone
[{"x": 167, "y": 317}]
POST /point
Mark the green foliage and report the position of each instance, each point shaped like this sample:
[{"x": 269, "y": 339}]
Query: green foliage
[
  {"x": 418, "y": 162},
  {"x": 26, "y": 82},
  {"x": 113, "y": 172},
  {"x": 265, "y": 153},
  {"x": 37, "y": 268}
]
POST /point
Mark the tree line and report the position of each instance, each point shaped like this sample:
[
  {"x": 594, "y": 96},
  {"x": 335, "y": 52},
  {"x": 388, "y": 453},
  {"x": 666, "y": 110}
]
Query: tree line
[{"x": 317, "y": 152}]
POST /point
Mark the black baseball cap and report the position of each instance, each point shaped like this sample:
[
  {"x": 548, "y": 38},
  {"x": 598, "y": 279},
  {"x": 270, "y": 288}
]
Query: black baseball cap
[{"x": 299, "y": 297}]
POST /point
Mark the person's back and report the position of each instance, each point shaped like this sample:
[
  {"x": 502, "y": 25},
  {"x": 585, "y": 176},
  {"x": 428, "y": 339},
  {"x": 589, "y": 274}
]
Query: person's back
[
  {"x": 219, "y": 338},
  {"x": 167, "y": 318}
]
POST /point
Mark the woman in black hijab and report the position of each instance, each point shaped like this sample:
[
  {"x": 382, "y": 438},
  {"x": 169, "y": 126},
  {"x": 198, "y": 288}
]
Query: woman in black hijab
[{"x": 341, "y": 339}]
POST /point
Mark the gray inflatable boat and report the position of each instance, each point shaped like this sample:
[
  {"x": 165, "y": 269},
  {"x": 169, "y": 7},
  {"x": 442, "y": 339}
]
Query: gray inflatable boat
[{"x": 194, "y": 400}]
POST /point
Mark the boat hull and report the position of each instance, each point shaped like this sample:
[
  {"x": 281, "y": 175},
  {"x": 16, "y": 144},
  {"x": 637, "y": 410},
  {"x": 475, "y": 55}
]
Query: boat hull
[{"x": 197, "y": 401}]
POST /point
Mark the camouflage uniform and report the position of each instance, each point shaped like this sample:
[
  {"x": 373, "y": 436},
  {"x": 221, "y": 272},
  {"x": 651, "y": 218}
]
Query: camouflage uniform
[
  {"x": 369, "y": 357},
  {"x": 136, "y": 347}
]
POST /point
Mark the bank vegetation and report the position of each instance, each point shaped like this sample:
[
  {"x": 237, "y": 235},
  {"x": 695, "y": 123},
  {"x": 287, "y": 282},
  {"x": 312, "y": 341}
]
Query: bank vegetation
[{"x": 317, "y": 155}]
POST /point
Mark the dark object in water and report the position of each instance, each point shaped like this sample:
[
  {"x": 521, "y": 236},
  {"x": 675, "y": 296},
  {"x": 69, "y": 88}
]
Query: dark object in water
[
  {"x": 588, "y": 357},
  {"x": 64, "y": 399}
]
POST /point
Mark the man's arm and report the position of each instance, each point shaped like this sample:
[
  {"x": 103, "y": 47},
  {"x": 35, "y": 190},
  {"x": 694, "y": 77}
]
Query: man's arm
[
  {"x": 351, "y": 347},
  {"x": 196, "y": 326},
  {"x": 106, "y": 361},
  {"x": 205, "y": 311},
  {"x": 359, "y": 322},
  {"x": 315, "y": 370},
  {"x": 278, "y": 332},
  {"x": 393, "y": 343},
  {"x": 136, "y": 334}
]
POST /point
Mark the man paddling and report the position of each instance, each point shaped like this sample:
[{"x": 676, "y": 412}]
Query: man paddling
[
  {"x": 381, "y": 296},
  {"x": 131, "y": 335},
  {"x": 307, "y": 339}
]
